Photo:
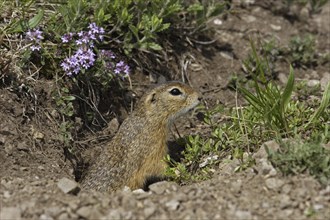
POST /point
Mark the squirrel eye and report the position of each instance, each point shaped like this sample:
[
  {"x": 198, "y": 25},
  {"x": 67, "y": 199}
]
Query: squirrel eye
[{"x": 175, "y": 92}]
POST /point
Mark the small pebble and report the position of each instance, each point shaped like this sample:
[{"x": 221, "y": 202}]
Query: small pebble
[
  {"x": 313, "y": 82},
  {"x": 10, "y": 213},
  {"x": 217, "y": 21},
  {"x": 172, "y": 205},
  {"x": 276, "y": 27},
  {"x": 273, "y": 183},
  {"x": 68, "y": 186}
]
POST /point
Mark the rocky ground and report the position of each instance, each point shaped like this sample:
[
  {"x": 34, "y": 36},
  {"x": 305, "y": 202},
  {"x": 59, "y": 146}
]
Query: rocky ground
[{"x": 37, "y": 180}]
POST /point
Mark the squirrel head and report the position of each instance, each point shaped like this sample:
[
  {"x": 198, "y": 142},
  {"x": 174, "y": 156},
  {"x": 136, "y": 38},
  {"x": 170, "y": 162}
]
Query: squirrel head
[{"x": 167, "y": 102}]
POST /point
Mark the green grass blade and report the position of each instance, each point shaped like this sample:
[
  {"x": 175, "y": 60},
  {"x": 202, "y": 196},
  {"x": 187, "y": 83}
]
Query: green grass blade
[
  {"x": 32, "y": 23},
  {"x": 286, "y": 95},
  {"x": 324, "y": 104},
  {"x": 252, "y": 99}
]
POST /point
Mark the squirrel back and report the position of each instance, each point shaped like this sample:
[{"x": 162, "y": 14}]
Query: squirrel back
[{"x": 137, "y": 150}]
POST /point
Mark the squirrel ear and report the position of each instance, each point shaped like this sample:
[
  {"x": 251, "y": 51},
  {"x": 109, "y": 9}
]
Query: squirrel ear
[{"x": 151, "y": 98}]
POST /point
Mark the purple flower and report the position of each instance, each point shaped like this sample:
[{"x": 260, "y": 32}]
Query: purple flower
[
  {"x": 34, "y": 35},
  {"x": 65, "y": 65},
  {"x": 85, "y": 38},
  {"x": 67, "y": 37},
  {"x": 107, "y": 54},
  {"x": 96, "y": 31},
  {"x": 82, "y": 59},
  {"x": 80, "y": 34},
  {"x": 122, "y": 67},
  {"x": 35, "y": 47},
  {"x": 79, "y": 42}
]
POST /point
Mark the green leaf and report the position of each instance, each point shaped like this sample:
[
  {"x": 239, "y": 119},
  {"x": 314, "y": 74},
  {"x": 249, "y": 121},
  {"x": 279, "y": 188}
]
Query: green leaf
[
  {"x": 68, "y": 98},
  {"x": 164, "y": 27},
  {"x": 195, "y": 7},
  {"x": 152, "y": 45},
  {"x": 100, "y": 15},
  {"x": 134, "y": 30},
  {"x": 286, "y": 95},
  {"x": 324, "y": 104},
  {"x": 216, "y": 9},
  {"x": 252, "y": 99},
  {"x": 32, "y": 23},
  {"x": 124, "y": 14}
]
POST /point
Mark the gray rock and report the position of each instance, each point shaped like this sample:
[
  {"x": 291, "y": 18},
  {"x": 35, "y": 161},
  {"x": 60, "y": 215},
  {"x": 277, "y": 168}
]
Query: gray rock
[
  {"x": 313, "y": 82},
  {"x": 89, "y": 212},
  {"x": 217, "y": 21},
  {"x": 6, "y": 194},
  {"x": 22, "y": 146},
  {"x": 262, "y": 153},
  {"x": 148, "y": 211},
  {"x": 274, "y": 183},
  {"x": 23, "y": 169},
  {"x": 318, "y": 207},
  {"x": 53, "y": 211},
  {"x": 227, "y": 55},
  {"x": 285, "y": 214},
  {"x": 172, "y": 204},
  {"x": 240, "y": 214},
  {"x": 113, "y": 125},
  {"x": 286, "y": 188},
  {"x": 244, "y": 3},
  {"x": 126, "y": 189},
  {"x": 326, "y": 191},
  {"x": 263, "y": 165},
  {"x": 283, "y": 78},
  {"x": 38, "y": 135},
  {"x": 249, "y": 18},
  {"x": 115, "y": 214},
  {"x": 229, "y": 166},
  {"x": 63, "y": 216},
  {"x": 266, "y": 168},
  {"x": 68, "y": 186},
  {"x": 9, "y": 213},
  {"x": 276, "y": 27},
  {"x": 236, "y": 186},
  {"x": 285, "y": 201},
  {"x": 325, "y": 80},
  {"x": 304, "y": 14},
  {"x": 9, "y": 148},
  {"x": 45, "y": 217},
  {"x": 162, "y": 187},
  {"x": 141, "y": 194},
  {"x": 138, "y": 191},
  {"x": 2, "y": 139},
  {"x": 129, "y": 201},
  {"x": 73, "y": 204}
]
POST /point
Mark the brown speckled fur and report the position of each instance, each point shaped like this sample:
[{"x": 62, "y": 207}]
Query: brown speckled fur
[{"x": 139, "y": 147}]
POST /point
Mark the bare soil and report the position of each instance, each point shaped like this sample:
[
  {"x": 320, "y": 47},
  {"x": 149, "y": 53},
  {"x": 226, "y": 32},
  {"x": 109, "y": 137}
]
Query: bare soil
[{"x": 33, "y": 160}]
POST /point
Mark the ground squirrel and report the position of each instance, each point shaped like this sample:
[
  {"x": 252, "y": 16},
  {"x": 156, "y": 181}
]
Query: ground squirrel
[{"x": 138, "y": 149}]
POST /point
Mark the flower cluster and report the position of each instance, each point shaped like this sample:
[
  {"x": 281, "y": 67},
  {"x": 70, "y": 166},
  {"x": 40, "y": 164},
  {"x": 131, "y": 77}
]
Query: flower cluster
[
  {"x": 84, "y": 57},
  {"x": 118, "y": 68},
  {"x": 122, "y": 67},
  {"x": 85, "y": 37},
  {"x": 81, "y": 59},
  {"x": 35, "y": 37}
]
